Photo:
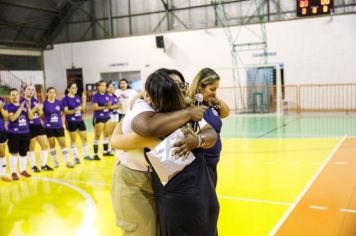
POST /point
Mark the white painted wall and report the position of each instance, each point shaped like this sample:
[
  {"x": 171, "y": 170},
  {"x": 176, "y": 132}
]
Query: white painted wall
[
  {"x": 313, "y": 51},
  {"x": 30, "y": 77}
]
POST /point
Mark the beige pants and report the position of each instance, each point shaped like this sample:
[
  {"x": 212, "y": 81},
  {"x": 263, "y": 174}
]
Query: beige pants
[{"x": 133, "y": 202}]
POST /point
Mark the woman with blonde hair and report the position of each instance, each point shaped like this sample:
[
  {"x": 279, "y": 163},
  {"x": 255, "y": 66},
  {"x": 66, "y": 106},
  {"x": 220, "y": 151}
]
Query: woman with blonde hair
[
  {"x": 37, "y": 132},
  {"x": 187, "y": 205},
  {"x": 206, "y": 82}
]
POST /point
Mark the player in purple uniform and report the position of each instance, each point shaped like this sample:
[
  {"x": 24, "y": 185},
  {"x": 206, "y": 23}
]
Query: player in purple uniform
[
  {"x": 74, "y": 107},
  {"x": 18, "y": 132},
  {"x": 3, "y": 139},
  {"x": 100, "y": 101},
  {"x": 52, "y": 113},
  {"x": 113, "y": 106},
  {"x": 37, "y": 132}
]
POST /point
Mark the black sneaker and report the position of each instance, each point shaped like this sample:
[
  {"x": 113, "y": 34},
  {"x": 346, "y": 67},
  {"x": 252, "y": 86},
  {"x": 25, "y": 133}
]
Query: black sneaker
[
  {"x": 47, "y": 168},
  {"x": 35, "y": 169},
  {"x": 96, "y": 157},
  {"x": 108, "y": 154},
  {"x": 88, "y": 158}
]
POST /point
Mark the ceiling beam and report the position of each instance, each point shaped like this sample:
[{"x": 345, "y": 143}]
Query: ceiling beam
[
  {"x": 68, "y": 8},
  {"x": 20, "y": 25},
  {"x": 11, "y": 43},
  {"x": 27, "y": 6}
]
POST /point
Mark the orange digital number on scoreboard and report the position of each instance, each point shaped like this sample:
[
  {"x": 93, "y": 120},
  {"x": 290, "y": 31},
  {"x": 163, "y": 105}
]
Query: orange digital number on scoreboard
[{"x": 314, "y": 7}]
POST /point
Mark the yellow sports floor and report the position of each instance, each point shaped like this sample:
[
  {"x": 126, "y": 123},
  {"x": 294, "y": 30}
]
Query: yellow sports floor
[{"x": 258, "y": 179}]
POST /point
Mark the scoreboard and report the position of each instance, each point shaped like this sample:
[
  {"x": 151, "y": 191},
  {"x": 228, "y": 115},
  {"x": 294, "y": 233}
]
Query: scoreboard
[{"x": 314, "y": 7}]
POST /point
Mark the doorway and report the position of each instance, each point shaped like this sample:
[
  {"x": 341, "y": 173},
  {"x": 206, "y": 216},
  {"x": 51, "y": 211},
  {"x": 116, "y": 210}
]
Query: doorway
[
  {"x": 262, "y": 88},
  {"x": 75, "y": 75}
]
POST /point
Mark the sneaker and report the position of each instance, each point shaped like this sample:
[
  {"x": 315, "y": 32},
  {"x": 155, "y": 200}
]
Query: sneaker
[
  {"x": 76, "y": 160},
  {"x": 56, "y": 164},
  {"x": 108, "y": 154},
  {"x": 5, "y": 178},
  {"x": 47, "y": 168},
  {"x": 15, "y": 176},
  {"x": 69, "y": 165},
  {"x": 35, "y": 169},
  {"x": 96, "y": 157},
  {"x": 88, "y": 158},
  {"x": 25, "y": 173}
]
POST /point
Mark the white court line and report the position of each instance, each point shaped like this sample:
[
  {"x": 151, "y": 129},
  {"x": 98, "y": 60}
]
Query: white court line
[
  {"x": 270, "y": 162},
  {"x": 221, "y": 197},
  {"x": 341, "y": 163},
  {"x": 348, "y": 210},
  {"x": 318, "y": 207},
  {"x": 248, "y": 162},
  {"x": 294, "y": 163},
  {"x": 89, "y": 215},
  {"x": 85, "y": 182},
  {"x": 306, "y": 188},
  {"x": 254, "y": 200},
  {"x": 296, "y": 136}
]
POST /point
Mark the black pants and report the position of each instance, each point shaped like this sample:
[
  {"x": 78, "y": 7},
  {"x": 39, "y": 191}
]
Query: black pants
[
  {"x": 213, "y": 174},
  {"x": 188, "y": 204},
  {"x": 18, "y": 143},
  {"x": 121, "y": 116}
]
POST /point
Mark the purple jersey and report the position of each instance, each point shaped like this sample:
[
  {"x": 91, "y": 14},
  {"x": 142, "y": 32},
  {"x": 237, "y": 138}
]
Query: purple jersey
[
  {"x": 114, "y": 100},
  {"x": 72, "y": 103},
  {"x": 102, "y": 100},
  {"x": 36, "y": 117},
  {"x": 20, "y": 125},
  {"x": 52, "y": 114},
  {"x": 2, "y": 122}
]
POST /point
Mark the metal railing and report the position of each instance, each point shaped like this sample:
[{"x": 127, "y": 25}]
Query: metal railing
[
  {"x": 327, "y": 98},
  {"x": 295, "y": 98},
  {"x": 8, "y": 79}
]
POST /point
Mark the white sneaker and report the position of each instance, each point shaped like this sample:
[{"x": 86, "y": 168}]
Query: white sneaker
[
  {"x": 69, "y": 165},
  {"x": 5, "y": 178}
]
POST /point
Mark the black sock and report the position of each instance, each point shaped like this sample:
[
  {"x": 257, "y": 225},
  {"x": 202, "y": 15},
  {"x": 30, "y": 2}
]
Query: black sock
[
  {"x": 106, "y": 147},
  {"x": 96, "y": 148}
]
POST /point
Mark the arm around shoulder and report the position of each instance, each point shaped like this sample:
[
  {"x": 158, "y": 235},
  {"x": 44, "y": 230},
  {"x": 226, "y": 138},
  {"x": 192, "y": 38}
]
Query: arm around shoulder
[
  {"x": 208, "y": 137},
  {"x": 130, "y": 141},
  {"x": 224, "y": 109}
]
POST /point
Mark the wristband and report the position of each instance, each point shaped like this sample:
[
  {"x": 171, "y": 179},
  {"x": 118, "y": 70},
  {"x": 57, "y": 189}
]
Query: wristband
[{"x": 199, "y": 140}]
